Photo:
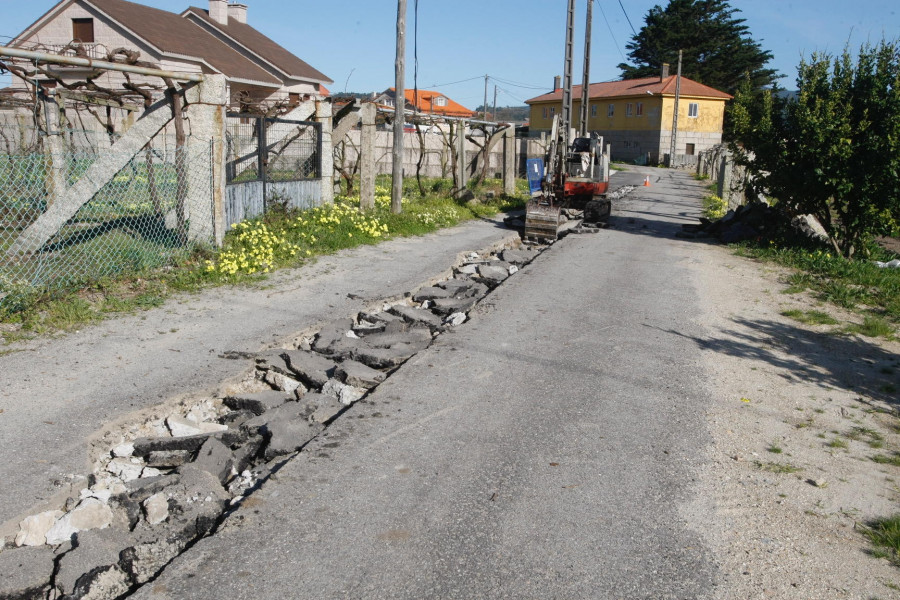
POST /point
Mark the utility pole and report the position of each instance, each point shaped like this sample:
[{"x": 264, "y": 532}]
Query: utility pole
[
  {"x": 585, "y": 87},
  {"x": 565, "y": 119},
  {"x": 675, "y": 113},
  {"x": 494, "y": 113},
  {"x": 484, "y": 106},
  {"x": 399, "y": 111}
]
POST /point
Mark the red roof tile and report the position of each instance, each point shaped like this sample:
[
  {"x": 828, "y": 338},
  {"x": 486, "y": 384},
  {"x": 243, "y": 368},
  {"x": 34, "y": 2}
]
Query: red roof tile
[
  {"x": 638, "y": 87},
  {"x": 426, "y": 103}
]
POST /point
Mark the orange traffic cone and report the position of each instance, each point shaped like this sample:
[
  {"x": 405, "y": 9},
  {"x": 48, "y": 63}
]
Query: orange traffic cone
[{"x": 647, "y": 181}]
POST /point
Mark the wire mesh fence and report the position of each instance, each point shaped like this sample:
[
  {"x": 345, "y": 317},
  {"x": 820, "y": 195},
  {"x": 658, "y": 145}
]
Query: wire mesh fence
[
  {"x": 155, "y": 210},
  {"x": 260, "y": 148}
]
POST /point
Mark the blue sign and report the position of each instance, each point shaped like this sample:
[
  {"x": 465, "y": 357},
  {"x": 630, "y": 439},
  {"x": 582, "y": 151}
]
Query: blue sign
[{"x": 535, "y": 167}]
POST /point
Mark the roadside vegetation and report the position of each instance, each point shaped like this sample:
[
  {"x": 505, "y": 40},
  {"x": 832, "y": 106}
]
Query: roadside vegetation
[{"x": 282, "y": 238}]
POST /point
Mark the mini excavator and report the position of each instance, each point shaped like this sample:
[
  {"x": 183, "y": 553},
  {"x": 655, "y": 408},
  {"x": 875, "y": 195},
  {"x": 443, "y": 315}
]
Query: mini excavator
[{"x": 576, "y": 173}]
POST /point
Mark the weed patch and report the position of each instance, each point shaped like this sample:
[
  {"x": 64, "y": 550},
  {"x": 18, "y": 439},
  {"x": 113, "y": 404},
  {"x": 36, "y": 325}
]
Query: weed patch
[
  {"x": 811, "y": 317},
  {"x": 885, "y": 537}
]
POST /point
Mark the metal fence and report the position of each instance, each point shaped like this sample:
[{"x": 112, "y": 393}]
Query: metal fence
[
  {"x": 148, "y": 215},
  {"x": 271, "y": 161}
]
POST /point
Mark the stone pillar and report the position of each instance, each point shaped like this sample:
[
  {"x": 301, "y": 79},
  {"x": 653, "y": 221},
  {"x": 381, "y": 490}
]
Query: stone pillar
[
  {"x": 205, "y": 209},
  {"x": 509, "y": 161},
  {"x": 367, "y": 166},
  {"x": 323, "y": 116},
  {"x": 462, "y": 170},
  {"x": 54, "y": 152}
]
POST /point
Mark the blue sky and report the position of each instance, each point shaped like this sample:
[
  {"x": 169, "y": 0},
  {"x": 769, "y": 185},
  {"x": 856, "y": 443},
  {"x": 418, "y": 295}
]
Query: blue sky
[{"x": 519, "y": 43}]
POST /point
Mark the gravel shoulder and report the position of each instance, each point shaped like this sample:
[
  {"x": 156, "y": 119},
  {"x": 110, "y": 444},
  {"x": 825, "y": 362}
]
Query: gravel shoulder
[{"x": 793, "y": 396}]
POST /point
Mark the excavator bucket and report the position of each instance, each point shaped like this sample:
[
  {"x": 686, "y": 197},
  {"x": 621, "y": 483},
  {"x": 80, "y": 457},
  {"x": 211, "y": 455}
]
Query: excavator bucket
[{"x": 542, "y": 220}]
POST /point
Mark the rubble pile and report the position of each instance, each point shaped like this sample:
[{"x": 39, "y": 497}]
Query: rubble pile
[
  {"x": 170, "y": 481},
  {"x": 746, "y": 222}
]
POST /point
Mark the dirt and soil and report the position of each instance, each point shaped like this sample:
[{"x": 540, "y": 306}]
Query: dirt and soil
[{"x": 800, "y": 411}]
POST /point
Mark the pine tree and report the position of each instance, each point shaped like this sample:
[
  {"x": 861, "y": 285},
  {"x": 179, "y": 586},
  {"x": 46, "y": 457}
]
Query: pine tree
[{"x": 718, "y": 50}]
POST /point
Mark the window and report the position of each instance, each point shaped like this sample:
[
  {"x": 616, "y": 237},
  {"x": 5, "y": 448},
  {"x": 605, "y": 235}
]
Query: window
[
  {"x": 629, "y": 109},
  {"x": 689, "y": 149},
  {"x": 552, "y": 111},
  {"x": 593, "y": 110},
  {"x": 640, "y": 109},
  {"x": 440, "y": 101},
  {"x": 545, "y": 112},
  {"x": 693, "y": 109},
  {"x": 83, "y": 30},
  {"x": 610, "y": 110}
]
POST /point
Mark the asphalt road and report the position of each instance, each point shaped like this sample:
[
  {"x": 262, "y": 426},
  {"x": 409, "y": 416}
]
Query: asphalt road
[
  {"x": 547, "y": 448},
  {"x": 56, "y": 395}
]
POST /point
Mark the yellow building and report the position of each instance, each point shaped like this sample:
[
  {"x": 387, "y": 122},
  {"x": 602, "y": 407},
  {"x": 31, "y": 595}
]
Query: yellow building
[{"x": 635, "y": 115}]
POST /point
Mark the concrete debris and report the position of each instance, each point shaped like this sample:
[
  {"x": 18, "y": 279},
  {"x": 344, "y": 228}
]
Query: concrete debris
[
  {"x": 33, "y": 530},
  {"x": 810, "y": 227},
  {"x": 90, "y": 514},
  {"x": 181, "y": 427},
  {"x": 126, "y": 469},
  {"x": 123, "y": 450},
  {"x": 746, "y": 222},
  {"x": 455, "y": 319},
  {"x": 155, "y": 495},
  {"x": 156, "y": 508}
]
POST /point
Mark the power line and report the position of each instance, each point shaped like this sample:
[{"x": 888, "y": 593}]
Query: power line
[
  {"x": 519, "y": 85},
  {"x": 437, "y": 85},
  {"x": 627, "y": 19},
  {"x": 611, "y": 34}
]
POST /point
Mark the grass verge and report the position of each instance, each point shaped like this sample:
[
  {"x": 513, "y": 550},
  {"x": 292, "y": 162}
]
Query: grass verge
[
  {"x": 857, "y": 285},
  {"x": 282, "y": 238}
]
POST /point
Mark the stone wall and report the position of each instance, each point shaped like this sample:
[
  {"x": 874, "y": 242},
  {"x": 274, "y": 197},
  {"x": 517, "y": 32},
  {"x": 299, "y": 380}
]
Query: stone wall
[{"x": 719, "y": 164}]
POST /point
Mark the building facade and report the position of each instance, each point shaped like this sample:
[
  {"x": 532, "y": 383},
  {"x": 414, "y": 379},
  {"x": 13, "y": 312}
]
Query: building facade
[{"x": 635, "y": 116}]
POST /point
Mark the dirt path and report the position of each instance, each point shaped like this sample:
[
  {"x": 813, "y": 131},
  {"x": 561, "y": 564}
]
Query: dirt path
[{"x": 799, "y": 414}]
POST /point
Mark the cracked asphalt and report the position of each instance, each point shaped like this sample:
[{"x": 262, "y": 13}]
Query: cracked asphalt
[{"x": 547, "y": 448}]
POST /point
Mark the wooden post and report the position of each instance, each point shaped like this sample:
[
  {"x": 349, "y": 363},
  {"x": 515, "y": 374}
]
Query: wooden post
[
  {"x": 675, "y": 114},
  {"x": 399, "y": 111},
  {"x": 367, "y": 165}
]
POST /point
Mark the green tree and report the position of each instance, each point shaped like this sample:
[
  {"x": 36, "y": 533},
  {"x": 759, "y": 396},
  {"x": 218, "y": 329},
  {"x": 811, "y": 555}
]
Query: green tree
[
  {"x": 834, "y": 150},
  {"x": 717, "y": 48}
]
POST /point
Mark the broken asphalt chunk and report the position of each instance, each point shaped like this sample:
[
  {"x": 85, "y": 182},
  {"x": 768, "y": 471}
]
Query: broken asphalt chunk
[
  {"x": 359, "y": 375},
  {"x": 313, "y": 369},
  {"x": 26, "y": 573},
  {"x": 415, "y": 315},
  {"x": 257, "y": 402}
]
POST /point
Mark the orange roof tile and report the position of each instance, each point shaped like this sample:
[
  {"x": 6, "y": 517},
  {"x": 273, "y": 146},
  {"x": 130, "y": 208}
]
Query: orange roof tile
[
  {"x": 426, "y": 103},
  {"x": 638, "y": 87}
]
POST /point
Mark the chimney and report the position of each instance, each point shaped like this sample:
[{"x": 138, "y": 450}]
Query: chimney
[
  {"x": 665, "y": 72},
  {"x": 237, "y": 12},
  {"x": 556, "y": 82},
  {"x": 218, "y": 11}
]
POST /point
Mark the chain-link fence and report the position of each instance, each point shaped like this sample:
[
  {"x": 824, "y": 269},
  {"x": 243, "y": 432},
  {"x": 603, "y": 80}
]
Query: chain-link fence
[{"x": 153, "y": 211}]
